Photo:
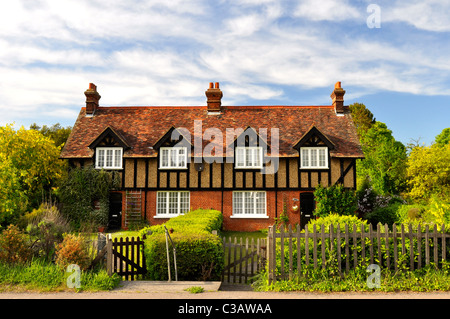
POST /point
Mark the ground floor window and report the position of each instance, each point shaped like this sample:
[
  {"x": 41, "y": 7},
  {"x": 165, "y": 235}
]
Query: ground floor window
[
  {"x": 172, "y": 204},
  {"x": 249, "y": 204}
]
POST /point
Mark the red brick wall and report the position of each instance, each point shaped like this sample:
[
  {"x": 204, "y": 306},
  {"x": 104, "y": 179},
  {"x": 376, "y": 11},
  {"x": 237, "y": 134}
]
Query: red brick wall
[{"x": 213, "y": 200}]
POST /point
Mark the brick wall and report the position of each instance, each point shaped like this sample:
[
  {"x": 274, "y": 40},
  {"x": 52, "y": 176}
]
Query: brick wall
[{"x": 224, "y": 203}]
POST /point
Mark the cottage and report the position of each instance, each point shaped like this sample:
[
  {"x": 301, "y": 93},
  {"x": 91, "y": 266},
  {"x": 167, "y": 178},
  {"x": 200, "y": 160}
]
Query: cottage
[{"x": 249, "y": 162}]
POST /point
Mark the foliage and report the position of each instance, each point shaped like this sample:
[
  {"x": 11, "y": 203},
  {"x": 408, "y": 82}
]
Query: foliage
[
  {"x": 45, "y": 276},
  {"x": 322, "y": 280},
  {"x": 385, "y": 160},
  {"x": 56, "y": 132},
  {"x": 429, "y": 172},
  {"x": 14, "y": 246},
  {"x": 199, "y": 254},
  {"x": 443, "y": 138},
  {"x": 46, "y": 226},
  {"x": 29, "y": 167},
  {"x": 196, "y": 221},
  {"x": 337, "y": 221},
  {"x": 80, "y": 189},
  {"x": 362, "y": 118},
  {"x": 72, "y": 250},
  {"x": 195, "y": 289},
  {"x": 334, "y": 199}
]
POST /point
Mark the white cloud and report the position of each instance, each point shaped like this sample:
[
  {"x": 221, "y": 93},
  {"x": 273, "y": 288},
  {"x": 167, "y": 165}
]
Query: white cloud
[
  {"x": 431, "y": 15},
  {"x": 329, "y": 10},
  {"x": 166, "y": 52}
]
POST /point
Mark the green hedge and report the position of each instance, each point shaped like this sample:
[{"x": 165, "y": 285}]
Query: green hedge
[{"x": 200, "y": 254}]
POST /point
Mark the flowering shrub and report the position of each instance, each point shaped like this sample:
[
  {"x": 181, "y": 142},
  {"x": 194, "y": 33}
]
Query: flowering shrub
[
  {"x": 72, "y": 251},
  {"x": 14, "y": 246}
]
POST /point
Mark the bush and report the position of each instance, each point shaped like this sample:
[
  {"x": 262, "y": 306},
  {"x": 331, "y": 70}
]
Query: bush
[
  {"x": 46, "y": 226},
  {"x": 334, "y": 199},
  {"x": 335, "y": 220},
  {"x": 200, "y": 254},
  {"x": 14, "y": 246},
  {"x": 79, "y": 190},
  {"x": 384, "y": 215},
  {"x": 72, "y": 250}
]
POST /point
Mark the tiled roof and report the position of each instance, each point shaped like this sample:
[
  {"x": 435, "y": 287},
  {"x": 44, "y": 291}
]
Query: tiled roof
[{"x": 142, "y": 127}]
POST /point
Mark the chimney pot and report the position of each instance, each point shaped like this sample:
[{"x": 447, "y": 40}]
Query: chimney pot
[
  {"x": 92, "y": 98},
  {"x": 214, "y": 97}
]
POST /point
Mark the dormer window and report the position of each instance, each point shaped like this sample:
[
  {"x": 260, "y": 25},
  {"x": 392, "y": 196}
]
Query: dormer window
[
  {"x": 173, "y": 157},
  {"x": 313, "y": 157},
  {"x": 108, "y": 157},
  {"x": 249, "y": 157}
]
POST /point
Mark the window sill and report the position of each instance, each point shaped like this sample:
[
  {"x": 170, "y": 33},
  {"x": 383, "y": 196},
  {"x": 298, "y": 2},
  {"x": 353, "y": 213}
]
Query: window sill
[
  {"x": 250, "y": 216},
  {"x": 166, "y": 216},
  {"x": 110, "y": 168}
]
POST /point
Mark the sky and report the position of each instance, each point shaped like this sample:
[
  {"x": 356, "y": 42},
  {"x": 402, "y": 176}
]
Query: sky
[{"x": 393, "y": 56}]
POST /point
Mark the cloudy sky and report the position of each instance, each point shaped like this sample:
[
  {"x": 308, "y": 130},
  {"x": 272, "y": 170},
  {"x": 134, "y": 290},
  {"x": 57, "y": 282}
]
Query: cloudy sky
[{"x": 393, "y": 56}]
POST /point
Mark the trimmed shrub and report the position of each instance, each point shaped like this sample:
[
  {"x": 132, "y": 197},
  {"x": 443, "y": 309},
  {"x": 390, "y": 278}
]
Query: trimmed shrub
[{"x": 200, "y": 254}]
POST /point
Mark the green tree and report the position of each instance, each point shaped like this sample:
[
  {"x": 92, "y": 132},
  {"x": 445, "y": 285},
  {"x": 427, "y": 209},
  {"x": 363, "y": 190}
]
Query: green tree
[
  {"x": 56, "y": 132},
  {"x": 29, "y": 167},
  {"x": 385, "y": 158},
  {"x": 443, "y": 138},
  {"x": 362, "y": 118},
  {"x": 428, "y": 171}
]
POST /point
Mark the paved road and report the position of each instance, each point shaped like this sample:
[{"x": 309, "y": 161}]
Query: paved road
[{"x": 213, "y": 290}]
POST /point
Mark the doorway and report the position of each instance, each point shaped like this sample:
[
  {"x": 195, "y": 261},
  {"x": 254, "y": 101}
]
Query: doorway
[
  {"x": 307, "y": 206},
  {"x": 115, "y": 211}
]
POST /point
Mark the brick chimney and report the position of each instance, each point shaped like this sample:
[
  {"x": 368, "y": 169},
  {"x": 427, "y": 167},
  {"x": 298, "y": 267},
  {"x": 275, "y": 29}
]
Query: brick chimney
[
  {"x": 214, "y": 97},
  {"x": 337, "y": 98},
  {"x": 92, "y": 98}
]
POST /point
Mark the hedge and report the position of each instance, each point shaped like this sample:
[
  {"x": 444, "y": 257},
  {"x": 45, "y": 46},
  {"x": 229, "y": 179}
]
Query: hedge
[{"x": 200, "y": 254}]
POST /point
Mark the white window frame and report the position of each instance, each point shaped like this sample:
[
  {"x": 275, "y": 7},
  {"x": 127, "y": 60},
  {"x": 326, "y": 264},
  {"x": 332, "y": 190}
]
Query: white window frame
[
  {"x": 101, "y": 157},
  {"x": 241, "y": 199},
  {"x": 164, "y": 205},
  {"x": 243, "y": 153},
  {"x": 170, "y": 151},
  {"x": 311, "y": 155}
]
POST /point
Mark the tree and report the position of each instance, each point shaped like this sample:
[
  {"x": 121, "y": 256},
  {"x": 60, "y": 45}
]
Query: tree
[
  {"x": 362, "y": 118},
  {"x": 429, "y": 171},
  {"x": 29, "y": 167},
  {"x": 443, "y": 138},
  {"x": 385, "y": 158},
  {"x": 56, "y": 132}
]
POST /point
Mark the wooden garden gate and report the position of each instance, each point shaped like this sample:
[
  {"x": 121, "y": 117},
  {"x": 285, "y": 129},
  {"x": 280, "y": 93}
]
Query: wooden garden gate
[
  {"x": 243, "y": 260},
  {"x": 126, "y": 257}
]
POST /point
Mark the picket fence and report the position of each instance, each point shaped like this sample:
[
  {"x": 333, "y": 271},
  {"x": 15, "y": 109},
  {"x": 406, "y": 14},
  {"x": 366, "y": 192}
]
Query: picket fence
[{"x": 290, "y": 251}]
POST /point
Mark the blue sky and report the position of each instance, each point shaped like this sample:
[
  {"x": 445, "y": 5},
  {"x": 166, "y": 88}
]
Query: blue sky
[{"x": 262, "y": 52}]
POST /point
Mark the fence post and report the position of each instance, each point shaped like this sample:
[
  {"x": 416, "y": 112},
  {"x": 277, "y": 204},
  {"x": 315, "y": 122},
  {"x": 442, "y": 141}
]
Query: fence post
[
  {"x": 271, "y": 254},
  {"x": 109, "y": 254}
]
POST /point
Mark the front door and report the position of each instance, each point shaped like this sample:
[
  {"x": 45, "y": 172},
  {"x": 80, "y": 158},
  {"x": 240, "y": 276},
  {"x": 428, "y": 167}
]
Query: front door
[
  {"x": 306, "y": 208},
  {"x": 115, "y": 211}
]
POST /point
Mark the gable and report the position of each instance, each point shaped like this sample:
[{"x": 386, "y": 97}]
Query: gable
[
  {"x": 173, "y": 137},
  {"x": 314, "y": 138},
  {"x": 109, "y": 138}
]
